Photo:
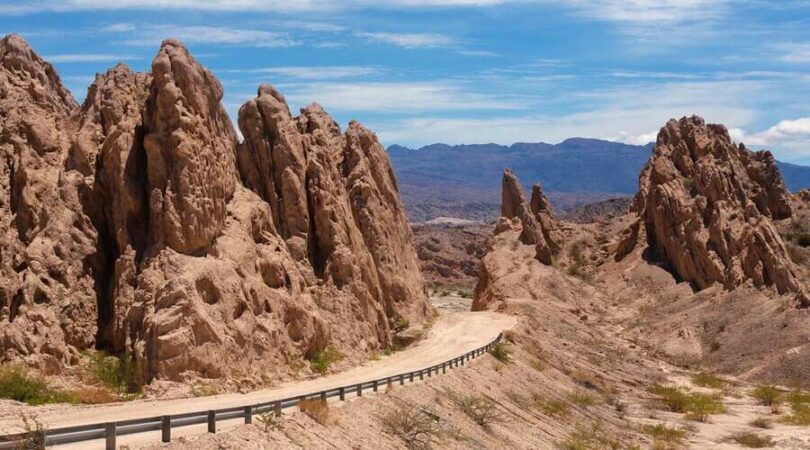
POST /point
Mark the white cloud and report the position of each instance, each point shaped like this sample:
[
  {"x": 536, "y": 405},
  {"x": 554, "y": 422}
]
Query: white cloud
[
  {"x": 796, "y": 53},
  {"x": 634, "y": 139},
  {"x": 396, "y": 97},
  {"x": 649, "y": 11},
  {"x": 87, "y": 57},
  {"x": 478, "y": 53},
  {"x": 791, "y": 136},
  {"x": 152, "y": 35},
  {"x": 316, "y": 72},
  {"x": 410, "y": 40}
]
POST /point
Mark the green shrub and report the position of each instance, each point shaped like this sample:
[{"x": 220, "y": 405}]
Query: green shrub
[
  {"x": 115, "y": 372},
  {"x": 701, "y": 406},
  {"x": 767, "y": 395},
  {"x": 18, "y": 384},
  {"x": 761, "y": 422},
  {"x": 582, "y": 398},
  {"x": 752, "y": 440},
  {"x": 672, "y": 398},
  {"x": 501, "y": 352},
  {"x": 800, "y": 415},
  {"x": 320, "y": 361},
  {"x": 709, "y": 380},
  {"x": 390, "y": 350}
]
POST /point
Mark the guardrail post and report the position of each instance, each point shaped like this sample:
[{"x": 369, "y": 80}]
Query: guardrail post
[
  {"x": 401, "y": 380},
  {"x": 109, "y": 430},
  {"x": 430, "y": 372},
  {"x": 374, "y": 385},
  {"x": 248, "y": 414},
  {"x": 444, "y": 368},
  {"x": 323, "y": 396},
  {"x": 389, "y": 382},
  {"x": 360, "y": 390},
  {"x": 421, "y": 374},
  {"x": 342, "y": 394},
  {"x": 212, "y": 421},
  {"x": 277, "y": 408},
  {"x": 462, "y": 360},
  {"x": 166, "y": 429}
]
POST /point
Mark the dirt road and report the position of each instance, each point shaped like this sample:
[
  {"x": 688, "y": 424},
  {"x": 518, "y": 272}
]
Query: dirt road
[{"x": 453, "y": 334}]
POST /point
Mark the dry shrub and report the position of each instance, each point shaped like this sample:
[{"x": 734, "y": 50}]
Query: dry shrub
[
  {"x": 751, "y": 440},
  {"x": 93, "y": 395},
  {"x": 417, "y": 428},
  {"x": 33, "y": 433},
  {"x": 586, "y": 379},
  {"x": 268, "y": 421},
  {"x": 318, "y": 410},
  {"x": 482, "y": 410}
]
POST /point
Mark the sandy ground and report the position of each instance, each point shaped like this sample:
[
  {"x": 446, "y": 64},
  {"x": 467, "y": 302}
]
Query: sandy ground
[{"x": 453, "y": 334}]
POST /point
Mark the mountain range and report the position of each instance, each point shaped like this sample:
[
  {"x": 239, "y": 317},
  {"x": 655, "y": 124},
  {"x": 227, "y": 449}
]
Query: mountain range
[{"x": 463, "y": 181}]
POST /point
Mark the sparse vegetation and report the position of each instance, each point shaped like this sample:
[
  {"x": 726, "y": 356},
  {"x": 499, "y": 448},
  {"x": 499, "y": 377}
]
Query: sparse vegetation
[
  {"x": 761, "y": 422},
  {"x": 577, "y": 260},
  {"x": 417, "y": 428},
  {"x": 93, "y": 395},
  {"x": 16, "y": 383},
  {"x": 203, "y": 390},
  {"x": 751, "y": 440},
  {"x": 694, "y": 406},
  {"x": 586, "y": 379},
  {"x": 390, "y": 350},
  {"x": 661, "y": 433},
  {"x": 317, "y": 409},
  {"x": 267, "y": 420},
  {"x": 538, "y": 365},
  {"x": 767, "y": 395},
  {"x": 800, "y": 406},
  {"x": 482, "y": 410},
  {"x": 33, "y": 433},
  {"x": 116, "y": 373},
  {"x": 709, "y": 380},
  {"x": 581, "y": 398},
  {"x": 551, "y": 407},
  {"x": 594, "y": 438},
  {"x": 320, "y": 361},
  {"x": 501, "y": 352}
]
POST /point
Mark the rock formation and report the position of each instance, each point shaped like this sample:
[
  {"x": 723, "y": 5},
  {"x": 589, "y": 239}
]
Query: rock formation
[
  {"x": 706, "y": 206},
  {"x": 138, "y": 224},
  {"x": 535, "y": 219}
]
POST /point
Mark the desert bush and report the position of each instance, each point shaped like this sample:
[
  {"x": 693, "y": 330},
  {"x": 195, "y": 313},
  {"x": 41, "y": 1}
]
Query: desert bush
[
  {"x": 321, "y": 360},
  {"x": 761, "y": 422},
  {"x": 267, "y": 420},
  {"x": 663, "y": 433},
  {"x": 582, "y": 398},
  {"x": 593, "y": 438},
  {"x": 482, "y": 410},
  {"x": 538, "y": 365},
  {"x": 701, "y": 406},
  {"x": 709, "y": 380},
  {"x": 586, "y": 379},
  {"x": 751, "y": 440},
  {"x": 33, "y": 433},
  {"x": 800, "y": 415},
  {"x": 390, "y": 350},
  {"x": 317, "y": 409},
  {"x": 767, "y": 395},
  {"x": 695, "y": 406},
  {"x": 18, "y": 384},
  {"x": 417, "y": 428},
  {"x": 551, "y": 407},
  {"x": 115, "y": 372},
  {"x": 501, "y": 352}
]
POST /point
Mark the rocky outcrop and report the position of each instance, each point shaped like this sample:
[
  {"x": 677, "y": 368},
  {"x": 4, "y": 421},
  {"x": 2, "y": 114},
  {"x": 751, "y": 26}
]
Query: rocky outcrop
[
  {"x": 138, "y": 224},
  {"x": 706, "y": 207},
  {"x": 535, "y": 219}
]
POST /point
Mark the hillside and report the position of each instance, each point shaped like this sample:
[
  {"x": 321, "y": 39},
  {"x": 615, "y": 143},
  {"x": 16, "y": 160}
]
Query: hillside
[{"x": 462, "y": 181}]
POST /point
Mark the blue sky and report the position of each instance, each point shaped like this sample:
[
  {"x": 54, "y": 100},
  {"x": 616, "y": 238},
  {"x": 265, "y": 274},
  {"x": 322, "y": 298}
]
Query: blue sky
[{"x": 469, "y": 71}]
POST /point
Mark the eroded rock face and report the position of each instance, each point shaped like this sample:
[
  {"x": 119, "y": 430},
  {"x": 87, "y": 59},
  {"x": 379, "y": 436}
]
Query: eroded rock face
[
  {"x": 535, "y": 219},
  {"x": 706, "y": 206},
  {"x": 130, "y": 229}
]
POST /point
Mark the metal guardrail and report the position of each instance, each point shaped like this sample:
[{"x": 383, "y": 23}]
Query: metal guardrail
[{"x": 110, "y": 430}]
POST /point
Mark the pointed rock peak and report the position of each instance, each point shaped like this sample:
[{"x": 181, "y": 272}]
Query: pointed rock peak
[
  {"x": 512, "y": 198},
  {"x": 40, "y": 78},
  {"x": 539, "y": 202},
  {"x": 314, "y": 117}
]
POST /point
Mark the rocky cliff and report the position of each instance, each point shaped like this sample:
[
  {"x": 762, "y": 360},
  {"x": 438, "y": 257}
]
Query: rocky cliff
[
  {"x": 138, "y": 224},
  {"x": 706, "y": 208}
]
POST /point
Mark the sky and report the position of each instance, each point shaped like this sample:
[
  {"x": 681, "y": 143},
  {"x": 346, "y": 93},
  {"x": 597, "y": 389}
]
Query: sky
[{"x": 469, "y": 71}]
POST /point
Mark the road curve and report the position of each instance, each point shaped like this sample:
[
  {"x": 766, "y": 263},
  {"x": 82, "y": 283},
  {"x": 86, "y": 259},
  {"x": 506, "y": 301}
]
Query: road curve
[{"x": 453, "y": 334}]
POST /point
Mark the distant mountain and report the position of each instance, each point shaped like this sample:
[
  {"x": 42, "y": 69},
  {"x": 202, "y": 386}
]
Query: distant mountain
[{"x": 463, "y": 181}]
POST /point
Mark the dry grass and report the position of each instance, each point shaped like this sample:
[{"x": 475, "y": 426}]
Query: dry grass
[
  {"x": 551, "y": 407},
  {"x": 318, "y": 410},
  {"x": 93, "y": 396},
  {"x": 662, "y": 434},
  {"x": 709, "y": 380},
  {"x": 482, "y": 410},
  {"x": 694, "y": 406},
  {"x": 761, "y": 422},
  {"x": 751, "y": 440}
]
